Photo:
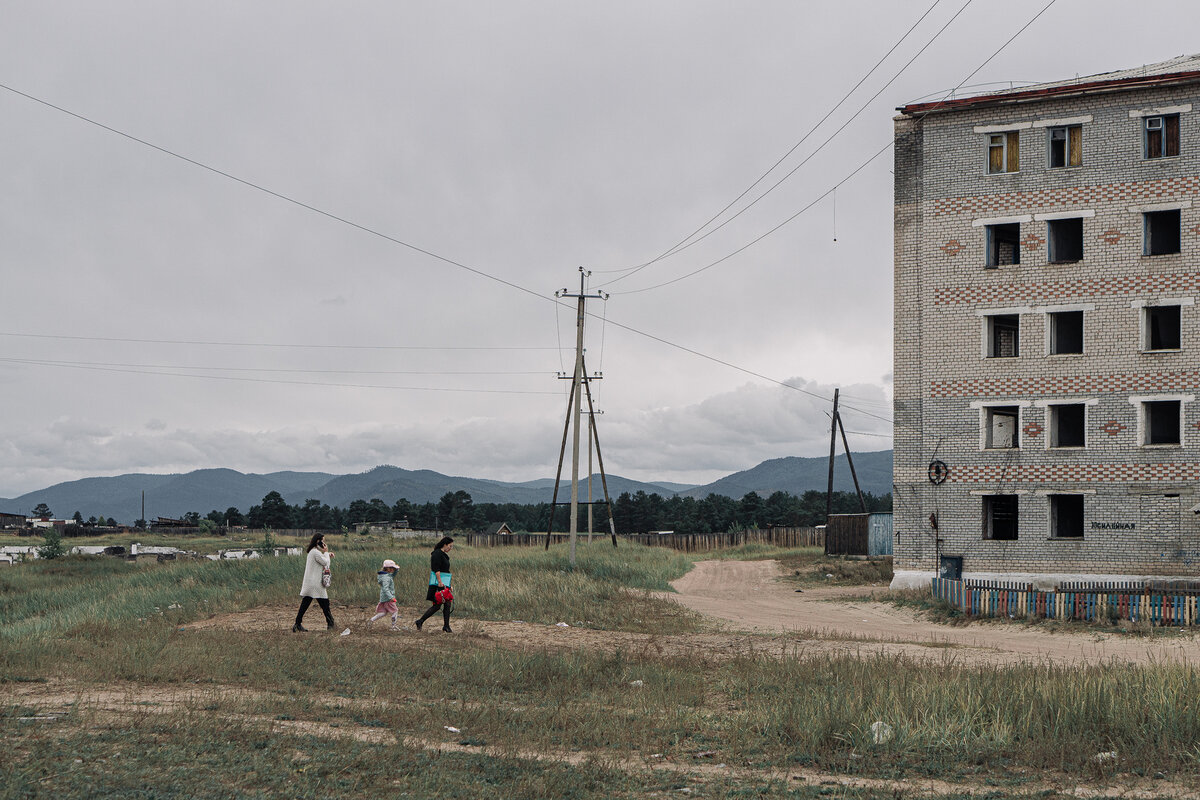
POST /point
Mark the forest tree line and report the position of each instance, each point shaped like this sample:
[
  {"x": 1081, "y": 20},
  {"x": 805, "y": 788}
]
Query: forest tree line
[{"x": 633, "y": 513}]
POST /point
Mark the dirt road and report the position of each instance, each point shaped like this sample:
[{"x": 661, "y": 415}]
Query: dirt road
[{"x": 750, "y": 596}]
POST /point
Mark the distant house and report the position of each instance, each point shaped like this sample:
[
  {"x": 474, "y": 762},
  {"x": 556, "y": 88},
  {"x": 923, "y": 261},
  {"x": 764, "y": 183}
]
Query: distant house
[
  {"x": 12, "y": 520},
  {"x": 498, "y": 528},
  {"x": 168, "y": 522},
  {"x": 393, "y": 526}
]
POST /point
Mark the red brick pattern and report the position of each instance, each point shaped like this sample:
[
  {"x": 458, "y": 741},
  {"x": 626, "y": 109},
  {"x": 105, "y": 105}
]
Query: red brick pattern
[
  {"x": 952, "y": 247},
  {"x": 1063, "y": 290},
  {"x": 1042, "y": 386},
  {"x": 1112, "y": 427},
  {"x": 1032, "y": 429},
  {"x": 1091, "y": 473},
  {"x": 1112, "y": 236},
  {"x": 1130, "y": 191},
  {"x": 1031, "y": 241}
]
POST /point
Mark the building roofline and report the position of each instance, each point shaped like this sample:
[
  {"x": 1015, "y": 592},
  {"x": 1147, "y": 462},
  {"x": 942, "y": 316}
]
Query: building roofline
[{"x": 1035, "y": 93}]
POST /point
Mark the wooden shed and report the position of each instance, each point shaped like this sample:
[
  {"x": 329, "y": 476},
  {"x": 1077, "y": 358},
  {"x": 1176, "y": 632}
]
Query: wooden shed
[{"x": 859, "y": 534}]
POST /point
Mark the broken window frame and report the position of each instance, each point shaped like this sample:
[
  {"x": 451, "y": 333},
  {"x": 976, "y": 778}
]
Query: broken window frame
[
  {"x": 1069, "y": 416},
  {"x": 991, "y": 417},
  {"x": 1064, "y": 240},
  {"x": 996, "y": 237},
  {"x": 1058, "y": 320},
  {"x": 1160, "y": 136},
  {"x": 1162, "y": 328},
  {"x": 994, "y": 327},
  {"x": 1003, "y": 152},
  {"x": 1064, "y": 145},
  {"x": 1067, "y": 514},
  {"x": 1001, "y": 514},
  {"x": 1162, "y": 232}
]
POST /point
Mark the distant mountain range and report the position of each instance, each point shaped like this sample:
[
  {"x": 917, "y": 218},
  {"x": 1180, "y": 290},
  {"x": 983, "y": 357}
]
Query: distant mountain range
[{"x": 203, "y": 490}]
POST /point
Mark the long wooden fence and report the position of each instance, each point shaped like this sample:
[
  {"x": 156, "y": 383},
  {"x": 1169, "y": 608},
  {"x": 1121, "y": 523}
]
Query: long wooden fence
[
  {"x": 687, "y": 542},
  {"x": 1157, "y": 604}
]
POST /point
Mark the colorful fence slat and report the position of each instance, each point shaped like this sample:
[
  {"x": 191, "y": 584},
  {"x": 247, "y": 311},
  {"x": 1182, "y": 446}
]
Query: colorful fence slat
[{"x": 1162, "y": 604}]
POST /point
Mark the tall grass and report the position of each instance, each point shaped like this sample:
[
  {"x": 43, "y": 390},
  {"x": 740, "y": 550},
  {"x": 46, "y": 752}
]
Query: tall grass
[
  {"x": 79, "y": 595},
  {"x": 81, "y": 618}
]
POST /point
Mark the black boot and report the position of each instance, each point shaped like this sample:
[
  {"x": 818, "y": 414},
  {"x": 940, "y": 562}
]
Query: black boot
[{"x": 298, "y": 628}]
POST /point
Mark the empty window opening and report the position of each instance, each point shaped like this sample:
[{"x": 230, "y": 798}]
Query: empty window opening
[
  {"x": 1162, "y": 136},
  {"x": 1065, "y": 237},
  {"x": 1066, "y": 332},
  {"x": 1066, "y": 146},
  {"x": 1000, "y": 517},
  {"x": 1163, "y": 327},
  {"x": 1003, "y": 244},
  {"x": 1001, "y": 422},
  {"x": 1161, "y": 232},
  {"x": 1066, "y": 516},
  {"x": 1004, "y": 152},
  {"x": 1067, "y": 425},
  {"x": 1003, "y": 335},
  {"x": 1161, "y": 421}
]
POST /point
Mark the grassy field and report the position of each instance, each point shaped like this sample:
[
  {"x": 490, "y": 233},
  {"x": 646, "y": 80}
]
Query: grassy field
[{"x": 215, "y": 712}]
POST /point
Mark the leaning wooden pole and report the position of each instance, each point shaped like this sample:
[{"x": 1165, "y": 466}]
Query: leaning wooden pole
[
  {"x": 562, "y": 451},
  {"x": 850, "y": 460},
  {"x": 612, "y": 523},
  {"x": 832, "y": 447}
]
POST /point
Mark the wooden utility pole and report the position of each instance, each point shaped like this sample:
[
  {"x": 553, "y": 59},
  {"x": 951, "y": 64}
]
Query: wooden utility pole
[
  {"x": 833, "y": 425},
  {"x": 579, "y": 381}
]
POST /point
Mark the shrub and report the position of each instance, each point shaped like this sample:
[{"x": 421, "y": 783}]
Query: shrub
[{"x": 53, "y": 546}]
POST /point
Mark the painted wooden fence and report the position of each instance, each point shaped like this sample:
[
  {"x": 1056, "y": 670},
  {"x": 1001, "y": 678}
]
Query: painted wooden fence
[{"x": 1157, "y": 604}]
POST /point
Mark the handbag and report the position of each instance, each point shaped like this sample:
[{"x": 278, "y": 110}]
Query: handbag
[
  {"x": 325, "y": 577},
  {"x": 443, "y": 596}
]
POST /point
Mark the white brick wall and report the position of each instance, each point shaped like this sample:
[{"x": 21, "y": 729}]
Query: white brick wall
[{"x": 942, "y": 288}]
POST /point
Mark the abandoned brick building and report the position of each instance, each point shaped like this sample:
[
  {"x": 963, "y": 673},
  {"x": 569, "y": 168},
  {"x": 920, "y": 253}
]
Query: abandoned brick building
[{"x": 1047, "y": 339}]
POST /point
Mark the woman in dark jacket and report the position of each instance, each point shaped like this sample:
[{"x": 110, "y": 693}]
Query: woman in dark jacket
[{"x": 439, "y": 578}]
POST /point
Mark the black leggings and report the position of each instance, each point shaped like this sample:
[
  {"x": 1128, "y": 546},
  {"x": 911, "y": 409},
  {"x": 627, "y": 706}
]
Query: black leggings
[
  {"x": 446, "y": 609},
  {"x": 323, "y": 602}
]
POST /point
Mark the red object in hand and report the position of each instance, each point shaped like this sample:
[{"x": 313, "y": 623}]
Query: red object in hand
[{"x": 443, "y": 595}]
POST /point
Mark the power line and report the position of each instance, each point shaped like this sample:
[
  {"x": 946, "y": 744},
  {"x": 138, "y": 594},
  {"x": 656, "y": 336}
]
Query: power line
[
  {"x": 69, "y": 365},
  {"x": 685, "y": 243},
  {"x": 351, "y": 224},
  {"x": 877, "y": 153},
  {"x": 273, "y": 193},
  {"x": 266, "y": 344},
  {"x": 45, "y": 361}
]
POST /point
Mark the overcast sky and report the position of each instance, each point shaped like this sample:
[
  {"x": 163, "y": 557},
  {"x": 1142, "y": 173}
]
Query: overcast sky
[{"x": 519, "y": 139}]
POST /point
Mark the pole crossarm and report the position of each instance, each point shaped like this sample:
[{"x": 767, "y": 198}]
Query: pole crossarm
[{"x": 580, "y": 383}]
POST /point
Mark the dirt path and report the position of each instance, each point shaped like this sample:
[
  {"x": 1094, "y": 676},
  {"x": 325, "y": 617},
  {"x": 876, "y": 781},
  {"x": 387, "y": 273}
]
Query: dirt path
[
  {"x": 54, "y": 704},
  {"x": 750, "y": 596}
]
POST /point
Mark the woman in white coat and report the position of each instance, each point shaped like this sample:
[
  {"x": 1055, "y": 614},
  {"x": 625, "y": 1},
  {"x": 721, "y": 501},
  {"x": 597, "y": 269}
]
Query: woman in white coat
[{"x": 316, "y": 565}]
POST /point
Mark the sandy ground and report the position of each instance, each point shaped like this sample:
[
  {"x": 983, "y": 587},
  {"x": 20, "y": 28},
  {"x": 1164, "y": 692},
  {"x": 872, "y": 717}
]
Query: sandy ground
[
  {"x": 756, "y": 611},
  {"x": 750, "y": 596}
]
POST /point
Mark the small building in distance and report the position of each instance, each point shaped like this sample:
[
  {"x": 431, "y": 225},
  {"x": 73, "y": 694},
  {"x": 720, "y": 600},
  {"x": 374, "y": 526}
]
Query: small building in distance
[
  {"x": 12, "y": 520},
  {"x": 1047, "y": 334},
  {"x": 500, "y": 528}
]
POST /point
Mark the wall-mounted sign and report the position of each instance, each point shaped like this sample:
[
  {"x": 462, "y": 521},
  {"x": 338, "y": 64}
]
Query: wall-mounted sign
[{"x": 1113, "y": 526}]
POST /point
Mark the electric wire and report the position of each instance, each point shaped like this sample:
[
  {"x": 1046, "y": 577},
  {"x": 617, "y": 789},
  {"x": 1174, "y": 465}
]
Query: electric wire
[
  {"x": 68, "y": 365},
  {"x": 670, "y": 251},
  {"x": 364, "y": 229},
  {"x": 306, "y": 371},
  {"x": 267, "y": 344},
  {"x": 278, "y": 195},
  {"x": 481, "y": 273},
  {"x": 852, "y": 174}
]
